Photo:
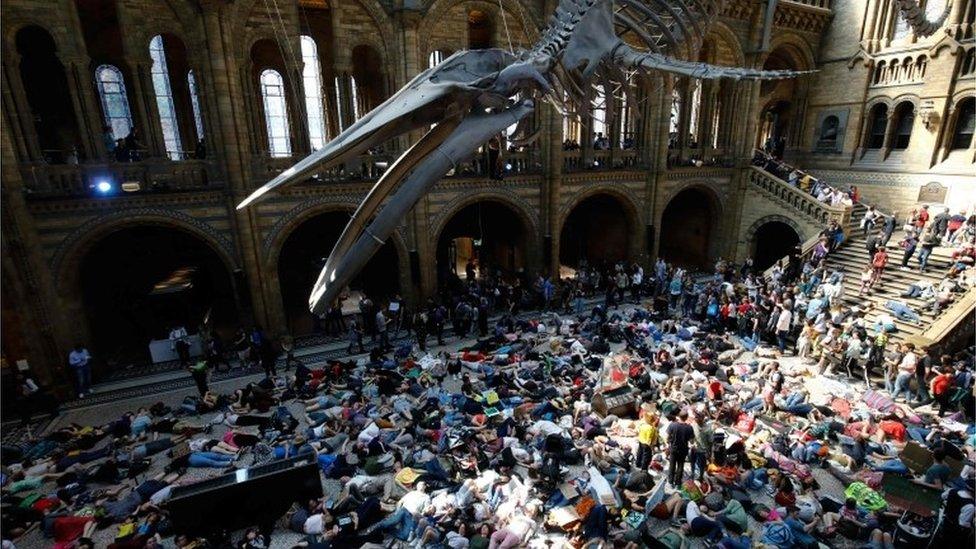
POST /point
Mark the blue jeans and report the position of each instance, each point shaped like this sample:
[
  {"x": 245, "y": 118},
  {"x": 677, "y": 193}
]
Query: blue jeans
[
  {"x": 754, "y": 404},
  {"x": 781, "y": 340},
  {"x": 82, "y": 378},
  {"x": 923, "y": 257},
  {"x": 902, "y": 311},
  {"x": 401, "y": 520},
  {"x": 902, "y": 386},
  {"x": 210, "y": 459}
]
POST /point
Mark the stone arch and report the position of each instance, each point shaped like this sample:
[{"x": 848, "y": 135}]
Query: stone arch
[
  {"x": 905, "y": 97},
  {"x": 590, "y": 234},
  {"x": 73, "y": 248},
  {"x": 286, "y": 225},
  {"x": 708, "y": 245},
  {"x": 15, "y": 25},
  {"x": 757, "y": 252},
  {"x": 799, "y": 48},
  {"x": 881, "y": 99},
  {"x": 521, "y": 208},
  {"x": 520, "y": 245},
  {"x": 513, "y": 8},
  {"x": 621, "y": 193},
  {"x": 751, "y": 231},
  {"x": 721, "y": 31}
]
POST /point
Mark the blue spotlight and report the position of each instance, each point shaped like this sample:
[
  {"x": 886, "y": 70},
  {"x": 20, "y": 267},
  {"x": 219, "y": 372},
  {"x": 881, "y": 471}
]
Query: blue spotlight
[{"x": 103, "y": 187}]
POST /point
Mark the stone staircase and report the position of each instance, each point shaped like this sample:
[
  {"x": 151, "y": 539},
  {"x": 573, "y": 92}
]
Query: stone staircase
[{"x": 851, "y": 258}]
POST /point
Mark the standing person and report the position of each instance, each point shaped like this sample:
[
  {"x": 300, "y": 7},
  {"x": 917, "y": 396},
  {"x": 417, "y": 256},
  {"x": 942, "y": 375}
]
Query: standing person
[
  {"x": 368, "y": 315},
  {"x": 941, "y": 386},
  {"x": 867, "y": 222},
  {"x": 437, "y": 315},
  {"x": 940, "y": 223},
  {"x": 680, "y": 434},
  {"x": 108, "y": 138},
  {"x": 906, "y": 371},
  {"x": 647, "y": 435},
  {"x": 382, "y": 335},
  {"x": 929, "y": 242},
  {"x": 923, "y": 217},
  {"x": 178, "y": 340},
  {"x": 334, "y": 325},
  {"x": 198, "y": 371},
  {"x": 878, "y": 264},
  {"x": 783, "y": 324},
  {"x": 80, "y": 361},
  {"x": 909, "y": 244},
  {"x": 871, "y": 245},
  {"x": 420, "y": 326},
  {"x": 922, "y": 369},
  {"x": 396, "y": 312},
  {"x": 888, "y": 228},
  {"x": 355, "y": 336}
]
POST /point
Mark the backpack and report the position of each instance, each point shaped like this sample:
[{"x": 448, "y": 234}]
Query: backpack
[{"x": 778, "y": 534}]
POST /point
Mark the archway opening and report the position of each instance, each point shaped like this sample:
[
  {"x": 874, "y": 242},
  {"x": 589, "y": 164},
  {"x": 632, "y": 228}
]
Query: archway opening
[
  {"x": 139, "y": 282},
  {"x": 484, "y": 238},
  {"x": 368, "y": 71},
  {"x": 480, "y": 30},
  {"x": 596, "y": 232},
  {"x": 302, "y": 257},
  {"x": 777, "y": 118},
  {"x": 686, "y": 229},
  {"x": 773, "y": 241},
  {"x": 46, "y": 88}
]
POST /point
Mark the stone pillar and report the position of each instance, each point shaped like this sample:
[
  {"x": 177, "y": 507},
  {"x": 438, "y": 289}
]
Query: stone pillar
[
  {"x": 28, "y": 280},
  {"x": 87, "y": 115},
  {"x": 142, "y": 98},
  {"x": 19, "y": 112},
  {"x": 552, "y": 154},
  {"x": 889, "y": 134},
  {"x": 231, "y": 145}
]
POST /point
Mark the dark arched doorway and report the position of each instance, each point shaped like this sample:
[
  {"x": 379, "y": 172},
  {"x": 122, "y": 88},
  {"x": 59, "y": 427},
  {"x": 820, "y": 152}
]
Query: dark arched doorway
[
  {"x": 46, "y": 88},
  {"x": 778, "y": 118},
  {"x": 487, "y": 236},
  {"x": 773, "y": 241},
  {"x": 597, "y": 230},
  {"x": 302, "y": 257},
  {"x": 139, "y": 282},
  {"x": 686, "y": 229}
]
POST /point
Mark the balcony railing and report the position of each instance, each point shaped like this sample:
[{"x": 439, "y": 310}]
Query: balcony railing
[
  {"x": 604, "y": 159},
  {"x": 797, "y": 200},
  {"x": 113, "y": 178},
  {"x": 823, "y": 4}
]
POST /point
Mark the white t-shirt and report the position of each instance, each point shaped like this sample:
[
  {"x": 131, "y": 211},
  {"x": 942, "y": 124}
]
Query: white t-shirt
[
  {"x": 783, "y": 322},
  {"x": 315, "y": 524},
  {"x": 415, "y": 502}
]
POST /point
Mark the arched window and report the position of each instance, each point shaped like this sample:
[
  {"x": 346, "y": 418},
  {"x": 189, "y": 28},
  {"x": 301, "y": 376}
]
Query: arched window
[
  {"x": 435, "y": 58},
  {"x": 354, "y": 88},
  {"x": 598, "y": 112},
  {"x": 920, "y": 65},
  {"x": 275, "y": 113},
  {"x": 338, "y": 94},
  {"x": 675, "y": 113},
  {"x": 879, "y": 72},
  {"x": 625, "y": 138},
  {"x": 164, "y": 99},
  {"x": 314, "y": 104},
  {"x": 962, "y": 134},
  {"x": 904, "y": 120},
  {"x": 969, "y": 63},
  {"x": 571, "y": 123},
  {"x": 694, "y": 123},
  {"x": 878, "y": 126},
  {"x": 191, "y": 81},
  {"x": 115, "y": 103}
]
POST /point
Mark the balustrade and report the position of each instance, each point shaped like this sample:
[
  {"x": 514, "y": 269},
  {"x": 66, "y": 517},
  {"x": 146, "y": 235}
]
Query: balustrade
[{"x": 154, "y": 175}]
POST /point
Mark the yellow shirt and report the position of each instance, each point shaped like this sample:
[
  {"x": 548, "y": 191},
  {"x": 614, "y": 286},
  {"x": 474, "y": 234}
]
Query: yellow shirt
[{"x": 647, "y": 434}]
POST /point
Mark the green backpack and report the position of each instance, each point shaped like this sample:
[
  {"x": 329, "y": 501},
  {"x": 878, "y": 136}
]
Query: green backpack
[{"x": 865, "y": 497}]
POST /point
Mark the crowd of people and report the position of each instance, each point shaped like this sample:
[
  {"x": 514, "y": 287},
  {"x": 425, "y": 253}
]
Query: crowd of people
[
  {"x": 766, "y": 411},
  {"x": 740, "y": 408}
]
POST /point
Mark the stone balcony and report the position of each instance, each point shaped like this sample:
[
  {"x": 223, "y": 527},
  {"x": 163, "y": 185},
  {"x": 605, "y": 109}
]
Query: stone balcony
[{"x": 59, "y": 181}]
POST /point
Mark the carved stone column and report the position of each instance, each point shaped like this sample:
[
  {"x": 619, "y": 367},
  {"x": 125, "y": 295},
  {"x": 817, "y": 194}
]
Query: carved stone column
[
  {"x": 889, "y": 134},
  {"x": 21, "y": 125},
  {"x": 142, "y": 97},
  {"x": 87, "y": 115}
]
